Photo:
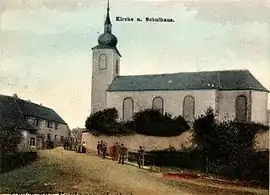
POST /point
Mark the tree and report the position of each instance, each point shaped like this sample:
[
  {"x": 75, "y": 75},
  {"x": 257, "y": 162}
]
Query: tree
[
  {"x": 77, "y": 132},
  {"x": 105, "y": 122},
  {"x": 226, "y": 146},
  {"x": 10, "y": 138},
  {"x": 151, "y": 122}
]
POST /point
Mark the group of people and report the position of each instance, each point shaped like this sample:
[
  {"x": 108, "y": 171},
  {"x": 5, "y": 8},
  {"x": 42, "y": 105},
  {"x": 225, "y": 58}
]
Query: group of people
[
  {"x": 75, "y": 146},
  {"x": 118, "y": 152},
  {"x": 102, "y": 149}
]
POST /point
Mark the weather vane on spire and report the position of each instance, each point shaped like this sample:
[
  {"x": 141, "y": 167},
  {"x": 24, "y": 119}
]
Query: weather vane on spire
[
  {"x": 108, "y": 24},
  {"x": 108, "y": 5}
]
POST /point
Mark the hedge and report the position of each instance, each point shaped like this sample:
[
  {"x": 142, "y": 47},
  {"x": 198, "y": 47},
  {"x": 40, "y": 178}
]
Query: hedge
[
  {"x": 15, "y": 161},
  {"x": 256, "y": 173},
  {"x": 181, "y": 159},
  {"x": 146, "y": 122}
]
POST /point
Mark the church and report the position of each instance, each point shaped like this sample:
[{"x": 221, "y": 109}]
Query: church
[{"x": 233, "y": 94}]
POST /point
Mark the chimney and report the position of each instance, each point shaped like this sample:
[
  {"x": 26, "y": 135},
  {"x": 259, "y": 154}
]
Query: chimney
[{"x": 15, "y": 95}]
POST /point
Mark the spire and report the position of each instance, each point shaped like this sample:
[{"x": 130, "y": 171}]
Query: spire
[{"x": 108, "y": 24}]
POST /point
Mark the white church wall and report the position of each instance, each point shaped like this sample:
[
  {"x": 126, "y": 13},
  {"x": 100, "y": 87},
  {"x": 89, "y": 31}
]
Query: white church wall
[
  {"x": 259, "y": 107},
  {"x": 173, "y": 100},
  {"x": 226, "y": 103}
]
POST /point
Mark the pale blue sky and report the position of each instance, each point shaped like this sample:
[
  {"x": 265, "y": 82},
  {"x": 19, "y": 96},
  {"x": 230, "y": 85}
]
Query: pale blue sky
[{"x": 46, "y": 44}]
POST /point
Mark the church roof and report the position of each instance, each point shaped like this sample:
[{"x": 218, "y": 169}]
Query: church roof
[
  {"x": 17, "y": 109},
  {"x": 219, "y": 80}
]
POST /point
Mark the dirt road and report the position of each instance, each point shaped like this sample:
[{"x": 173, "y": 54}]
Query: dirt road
[
  {"x": 103, "y": 175},
  {"x": 89, "y": 173}
]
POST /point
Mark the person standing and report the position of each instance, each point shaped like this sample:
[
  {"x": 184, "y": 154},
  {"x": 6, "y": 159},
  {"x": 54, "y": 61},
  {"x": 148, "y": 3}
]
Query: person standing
[
  {"x": 122, "y": 154},
  {"x": 113, "y": 151},
  {"x": 83, "y": 147},
  {"x": 140, "y": 156},
  {"x": 104, "y": 150},
  {"x": 117, "y": 151},
  {"x": 101, "y": 148},
  {"x": 98, "y": 148}
]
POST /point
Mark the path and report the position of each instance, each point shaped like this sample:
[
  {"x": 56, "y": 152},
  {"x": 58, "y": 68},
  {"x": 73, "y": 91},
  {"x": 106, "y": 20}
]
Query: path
[{"x": 101, "y": 175}]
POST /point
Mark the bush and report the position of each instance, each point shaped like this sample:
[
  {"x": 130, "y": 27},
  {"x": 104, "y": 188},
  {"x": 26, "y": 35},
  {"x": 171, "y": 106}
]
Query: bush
[
  {"x": 257, "y": 171},
  {"x": 228, "y": 147},
  {"x": 147, "y": 122},
  {"x": 10, "y": 138},
  {"x": 105, "y": 123},
  {"x": 17, "y": 160},
  {"x": 153, "y": 123},
  {"x": 183, "y": 159}
]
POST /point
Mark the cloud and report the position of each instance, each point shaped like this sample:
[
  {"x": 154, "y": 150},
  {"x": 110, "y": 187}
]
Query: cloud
[{"x": 232, "y": 11}]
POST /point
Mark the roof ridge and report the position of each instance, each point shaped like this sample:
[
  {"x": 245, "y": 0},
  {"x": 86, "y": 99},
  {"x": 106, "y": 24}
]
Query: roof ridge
[
  {"x": 192, "y": 72},
  {"x": 27, "y": 101},
  {"x": 40, "y": 110}
]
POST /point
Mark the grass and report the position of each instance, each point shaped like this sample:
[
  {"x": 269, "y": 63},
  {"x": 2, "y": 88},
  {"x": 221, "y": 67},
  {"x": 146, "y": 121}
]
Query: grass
[{"x": 42, "y": 176}]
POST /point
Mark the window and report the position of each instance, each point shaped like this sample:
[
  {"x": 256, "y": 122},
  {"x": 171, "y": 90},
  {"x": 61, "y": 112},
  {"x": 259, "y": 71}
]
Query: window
[
  {"x": 241, "y": 108},
  {"x": 128, "y": 108},
  {"x": 32, "y": 141},
  {"x": 117, "y": 67},
  {"x": 36, "y": 122},
  {"x": 102, "y": 62},
  {"x": 56, "y": 125},
  {"x": 62, "y": 138},
  {"x": 189, "y": 108},
  {"x": 49, "y": 124},
  {"x": 158, "y": 104},
  {"x": 48, "y": 136}
]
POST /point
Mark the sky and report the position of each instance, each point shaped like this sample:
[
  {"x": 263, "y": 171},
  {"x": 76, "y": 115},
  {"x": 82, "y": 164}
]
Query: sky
[{"x": 46, "y": 56}]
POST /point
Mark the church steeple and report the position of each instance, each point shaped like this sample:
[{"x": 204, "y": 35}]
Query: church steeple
[
  {"x": 107, "y": 39},
  {"x": 108, "y": 24}
]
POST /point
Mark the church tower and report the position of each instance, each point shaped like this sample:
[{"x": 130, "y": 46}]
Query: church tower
[{"x": 105, "y": 65}]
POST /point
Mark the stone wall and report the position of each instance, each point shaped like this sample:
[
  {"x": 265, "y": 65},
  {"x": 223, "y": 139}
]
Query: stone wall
[
  {"x": 149, "y": 142},
  {"x": 262, "y": 141},
  {"x": 134, "y": 141}
]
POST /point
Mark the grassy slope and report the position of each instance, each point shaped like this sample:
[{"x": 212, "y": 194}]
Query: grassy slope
[{"x": 43, "y": 175}]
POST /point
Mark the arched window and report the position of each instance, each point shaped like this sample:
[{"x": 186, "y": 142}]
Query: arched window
[
  {"x": 158, "y": 104},
  {"x": 117, "y": 67},
  {"x": 102, "y": 62},
  {"x": 241, "y": 108},
  {"x": 189, "y": 108},
  {"x": 128, "y": 108}
]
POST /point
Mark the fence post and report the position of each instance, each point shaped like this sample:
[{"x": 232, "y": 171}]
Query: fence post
[{"x": 143, "y": 159}]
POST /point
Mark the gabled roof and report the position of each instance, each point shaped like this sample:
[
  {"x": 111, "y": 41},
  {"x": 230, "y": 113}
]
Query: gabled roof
[
  {"x": 27, "y": 108},
  {"x": 219, "y": 80},
  {"x": 10, "y": 114}
]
